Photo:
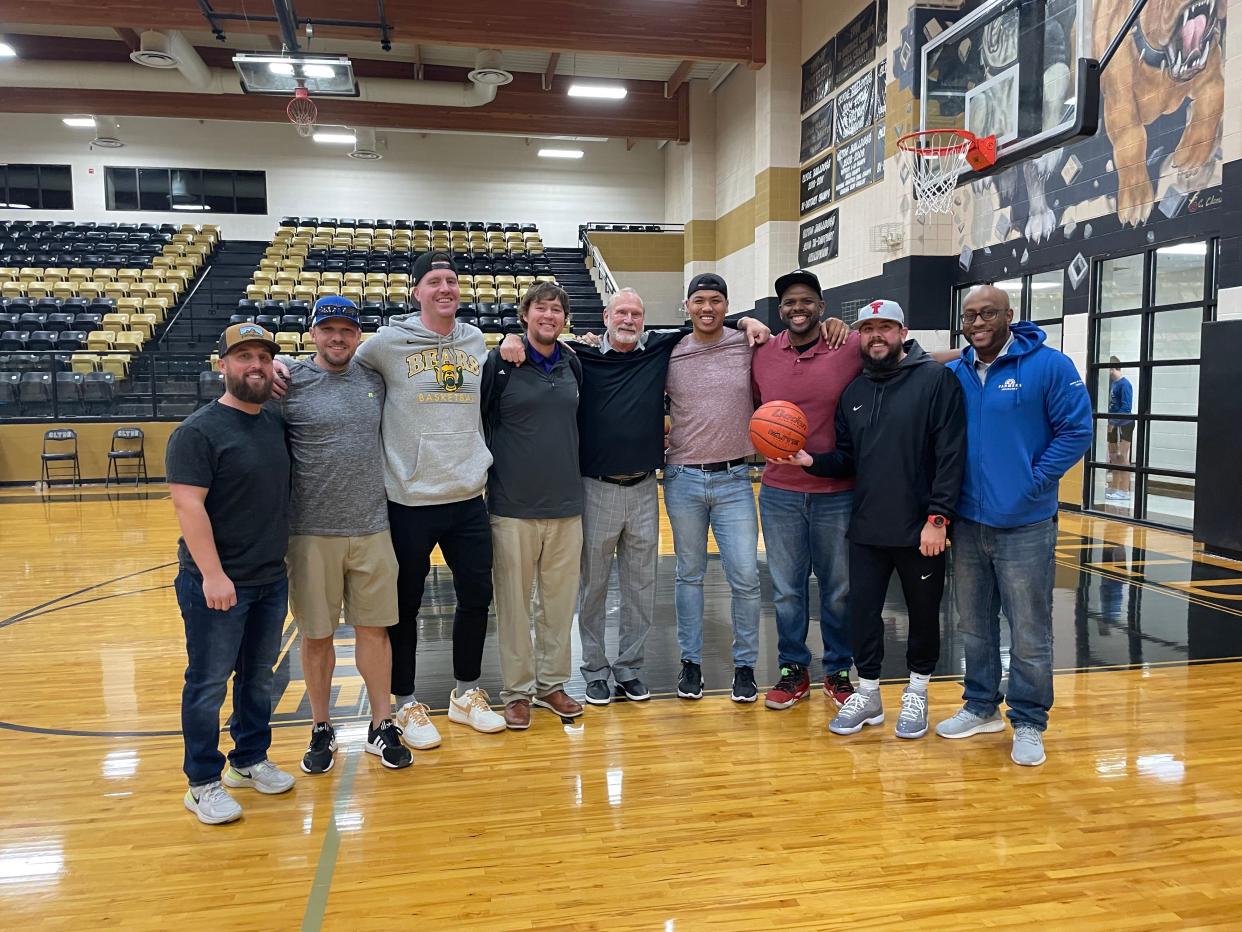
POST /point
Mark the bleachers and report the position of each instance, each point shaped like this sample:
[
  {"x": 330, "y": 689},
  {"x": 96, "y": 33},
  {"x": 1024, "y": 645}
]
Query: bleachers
[
  {"x": 370, "y": 262},
  {"x": 94, "y": 296}
]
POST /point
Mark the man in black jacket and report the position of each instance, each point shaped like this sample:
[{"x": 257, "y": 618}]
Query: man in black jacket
[{"x": 901, "y": 432}]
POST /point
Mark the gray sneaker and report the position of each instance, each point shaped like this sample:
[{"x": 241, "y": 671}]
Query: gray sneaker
[
  {"x": 862, "y": 708},
  {"x": 966, "y": 723},
  {"x": 912, "y": 721},
  {"x": 1028, "y": 746}
]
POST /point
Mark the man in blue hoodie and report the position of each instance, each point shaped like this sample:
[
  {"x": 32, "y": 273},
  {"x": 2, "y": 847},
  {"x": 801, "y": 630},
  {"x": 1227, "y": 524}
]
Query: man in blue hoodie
[{"x": 1028, "y": 421}]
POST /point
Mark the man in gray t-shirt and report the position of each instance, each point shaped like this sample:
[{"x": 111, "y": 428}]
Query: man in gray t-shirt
[{"x": 340, "y": 551}]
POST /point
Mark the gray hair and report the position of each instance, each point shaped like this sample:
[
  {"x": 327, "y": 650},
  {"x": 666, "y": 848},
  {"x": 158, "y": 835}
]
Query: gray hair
[{"x": 629, "y": 293}]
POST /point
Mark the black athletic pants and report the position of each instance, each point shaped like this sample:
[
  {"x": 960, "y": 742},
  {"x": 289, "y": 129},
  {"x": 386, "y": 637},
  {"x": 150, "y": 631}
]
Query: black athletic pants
[
  {"x": 464, "y": 533},
  {"x": 922, "y": 581}
]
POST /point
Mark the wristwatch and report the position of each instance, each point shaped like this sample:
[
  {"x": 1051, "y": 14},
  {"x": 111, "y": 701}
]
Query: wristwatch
[{"x": 937, "y": 520}]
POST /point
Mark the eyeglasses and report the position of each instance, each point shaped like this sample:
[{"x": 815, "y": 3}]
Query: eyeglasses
[{"x": 969, "y": 317}]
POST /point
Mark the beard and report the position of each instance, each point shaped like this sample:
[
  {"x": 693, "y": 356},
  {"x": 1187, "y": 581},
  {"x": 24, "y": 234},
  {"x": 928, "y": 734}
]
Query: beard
[
  {"x": 885, "y": 363},
  {"x": 242, "y": 390}
]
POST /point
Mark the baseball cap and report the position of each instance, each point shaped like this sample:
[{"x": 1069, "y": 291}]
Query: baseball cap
[
  {"x": 881, "y": 309},
  {"x": 238, "y": 334},
  {"x": 798, "y": 277},
  {"x": 331, "y": 307},
  {"x": 432, "y": 260},
  {"x": 708, "y": 281}
]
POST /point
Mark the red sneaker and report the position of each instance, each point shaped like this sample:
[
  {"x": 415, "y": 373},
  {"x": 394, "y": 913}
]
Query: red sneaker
[
  {"x": 838, "y": 687},
  {"x": 794, "y": 684}
]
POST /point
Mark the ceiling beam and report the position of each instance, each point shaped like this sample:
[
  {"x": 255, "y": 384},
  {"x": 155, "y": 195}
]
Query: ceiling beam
[
  {"x": 678, "y": 78},
  {"x": 758, "y": 34},
  {"x": 550, "y": 72},
  {"x": 129, "y": 37},
  {"x": 700, "y": 30}
]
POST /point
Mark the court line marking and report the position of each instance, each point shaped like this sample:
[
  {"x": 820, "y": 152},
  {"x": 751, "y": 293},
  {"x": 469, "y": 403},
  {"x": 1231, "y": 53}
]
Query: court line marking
[
  {"x": 22, "y": 615},
  {"x": 325, "y": 869}
]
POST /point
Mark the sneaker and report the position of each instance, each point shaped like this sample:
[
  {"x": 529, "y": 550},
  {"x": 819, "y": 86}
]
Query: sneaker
[
  {"x": 598, "y": 693},
  {"x": 318, "y": 757},
  {"x": 417, "y": 730},
  {"x": 690, "y": 683},
  {"x": 264, "y": 776},
  {"x": 838, "y": 687},
  {"x": 634, "y": 690},
  {"x": 912, "y": 720},
  {"x": 1112, "y": 495},
  {"x": 793, "y": 686},
  {"x": 1028, "y": 746},
  {"x": 560, "y": 702},
  {"x": 966, "y": 723},
  {"x": 862, "y": 708},
  {"x": 213, "y": 805},
  {"x": 744, "y": 688},
  {"x": 472, "y": 709},
  {"x": 384, "y": 741}
]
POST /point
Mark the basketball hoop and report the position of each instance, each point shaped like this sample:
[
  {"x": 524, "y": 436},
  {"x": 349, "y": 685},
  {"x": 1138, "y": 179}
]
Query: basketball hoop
[
  {"x": 302, "y": 112},
  {"x": 937, "y": 158}
]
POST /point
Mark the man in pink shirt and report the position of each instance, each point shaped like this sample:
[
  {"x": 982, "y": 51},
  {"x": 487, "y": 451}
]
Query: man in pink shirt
[{"x": 805, "y": 517}]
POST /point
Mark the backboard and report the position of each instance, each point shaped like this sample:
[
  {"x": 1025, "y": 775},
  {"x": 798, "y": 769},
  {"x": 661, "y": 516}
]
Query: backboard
[{"x": 1016, "y": 69}]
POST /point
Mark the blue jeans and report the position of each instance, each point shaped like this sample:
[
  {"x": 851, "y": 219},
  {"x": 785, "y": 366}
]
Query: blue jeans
[
  {"x": 1009, "y": 570},
  {"x": 804, "y": 533},
  {"x": 725, "y": 501},
  {"x": 245, "y": 642}
]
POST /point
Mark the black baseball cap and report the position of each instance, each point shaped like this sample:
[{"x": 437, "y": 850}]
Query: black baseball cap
[
  {"x": 708, "y": 281},
  {"x": 432, "y": 260},
  {"x": 335, "y": 307},
  {"x": 798, "y": 277}
]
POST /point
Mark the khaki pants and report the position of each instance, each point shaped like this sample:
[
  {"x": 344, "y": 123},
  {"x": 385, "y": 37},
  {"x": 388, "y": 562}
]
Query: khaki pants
[{"x": 526, "y": 551}]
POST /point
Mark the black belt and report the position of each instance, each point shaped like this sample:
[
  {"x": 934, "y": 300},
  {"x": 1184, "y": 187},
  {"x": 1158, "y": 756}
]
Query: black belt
[
  {"x": 625, "y": 481},
  {"x": 715, "y": 467}
]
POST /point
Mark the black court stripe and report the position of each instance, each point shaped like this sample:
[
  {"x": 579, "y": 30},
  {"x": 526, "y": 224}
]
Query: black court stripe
[{"x": 21, "y": 616}]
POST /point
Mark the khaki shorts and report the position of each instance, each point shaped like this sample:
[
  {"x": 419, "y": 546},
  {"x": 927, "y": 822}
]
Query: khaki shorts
[{"x": 326, "y": 572}]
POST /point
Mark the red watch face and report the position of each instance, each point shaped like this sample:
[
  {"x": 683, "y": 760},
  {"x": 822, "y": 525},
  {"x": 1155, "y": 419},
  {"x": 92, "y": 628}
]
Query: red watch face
[{"x": 937, "y": 520}]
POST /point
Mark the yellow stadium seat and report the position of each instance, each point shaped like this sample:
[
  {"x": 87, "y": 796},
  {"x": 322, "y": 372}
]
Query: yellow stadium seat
[
  {"x": 142, "y": 290},
  {"x": 328, "y": 288},
  {"x": 128, "y": 306},
  {"x": 308, "y": 278},
  {"x": 116, "y": 290},
  {"x": 8, "y": 274},
  {"x": 305, "y": 293},
  {"x": 12, "y": 289},
  {"x": 355, "y": 278},
  {"x": 55, "y": 275},
  {"x": 353, "y": 292},
  {"x": 128, "y": 275},
  {"x": 38, "y": 289},
  {"x": 144, "y": 324},
  {"x": 83, "y": 362},
  {"x": 116, "y": 363},
  {"x": 129, "y": 341},
  {"x": 89, "y": 290},
  {"x": 157, "y": 307},
  {"x": 166, "y": 290},
  {"x": 115, "y": 322},
  {"x": 100, "y": 340},
  {"x": 290, "y": 341},
  {"x": 30, "y": 274},
  {"x": 398, "y": 294},
  {"x": 64, "y": 290},
  {"x": 256, "y": 293}
]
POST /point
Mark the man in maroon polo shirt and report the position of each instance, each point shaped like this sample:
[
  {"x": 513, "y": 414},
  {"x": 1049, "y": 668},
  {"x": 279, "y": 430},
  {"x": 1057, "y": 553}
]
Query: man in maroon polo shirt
[{"x": 805, "y": 517}]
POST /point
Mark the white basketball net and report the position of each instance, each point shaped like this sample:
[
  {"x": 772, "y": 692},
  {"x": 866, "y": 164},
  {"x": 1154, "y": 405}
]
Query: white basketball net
[
  {"x": 936, "y": 159},
  {"x": 302, "y": 112}
]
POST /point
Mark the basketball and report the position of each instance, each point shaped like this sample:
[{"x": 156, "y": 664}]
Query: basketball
[{"x": 778, "y": 429}]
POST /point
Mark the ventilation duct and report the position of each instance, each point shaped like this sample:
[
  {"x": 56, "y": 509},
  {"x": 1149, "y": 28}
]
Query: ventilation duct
[
  {"x": 364, "y": 146},
  {"x": 107, "y": 133},
  {"x": 487, "y": 69}
]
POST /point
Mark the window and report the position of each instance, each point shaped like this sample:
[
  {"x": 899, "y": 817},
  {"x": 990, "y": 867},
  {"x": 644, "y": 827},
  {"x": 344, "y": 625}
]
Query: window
[
  {"x": 36, "y": 187},
  {"x": 1037, "y": 298},
  {"x": 1145, "y": 333},
  {"x": 186, "y": 189}
]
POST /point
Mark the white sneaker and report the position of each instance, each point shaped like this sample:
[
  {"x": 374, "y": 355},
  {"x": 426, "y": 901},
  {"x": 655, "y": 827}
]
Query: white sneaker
[
  {"x": 214, "y": 805},
  {"x": 264, "y": 776},
  {"x": 417, "y": 730},
  {"x": 472, "y": 709}
]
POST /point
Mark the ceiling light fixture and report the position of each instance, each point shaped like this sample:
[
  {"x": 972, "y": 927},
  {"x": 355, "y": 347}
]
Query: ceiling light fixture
[
  {"x": 190, "y": 207},
  {"x": 560, "y": 153},
  {"x": 15, "y": 206},
  {"x": 80, "y": 122},
  {"x": 280, "y": 67},
  {"x": 342, "y": 138},
  {"x": 7, "y": 51},
  {"x": 601, "y": 91},
  {"x": 319, "y": 71}
]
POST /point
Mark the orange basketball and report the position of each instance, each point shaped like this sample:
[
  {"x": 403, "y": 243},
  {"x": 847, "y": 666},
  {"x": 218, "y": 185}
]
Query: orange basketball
[{"x": 778, "y": 429}]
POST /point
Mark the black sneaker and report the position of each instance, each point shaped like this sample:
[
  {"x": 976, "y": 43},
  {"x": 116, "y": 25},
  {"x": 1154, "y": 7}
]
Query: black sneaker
[
  {"x": 634, "y": 690},
  {"x": 598, "y": 693},
  {"x": 690, "y": 683},
  {"x": 318, "y": 757},
  {"x": 384, "y": 741},
  {"x": 744, "y": 688}
]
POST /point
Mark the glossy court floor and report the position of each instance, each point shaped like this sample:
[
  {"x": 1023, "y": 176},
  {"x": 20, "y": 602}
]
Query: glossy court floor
[{"x": 666, "y": 815}]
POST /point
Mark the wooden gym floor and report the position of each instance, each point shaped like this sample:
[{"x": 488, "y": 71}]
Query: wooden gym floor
[{"x": 666, "y": 815}]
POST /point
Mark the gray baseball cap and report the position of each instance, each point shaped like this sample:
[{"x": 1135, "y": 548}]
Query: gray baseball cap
[{"x": 881, "y": 309}]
